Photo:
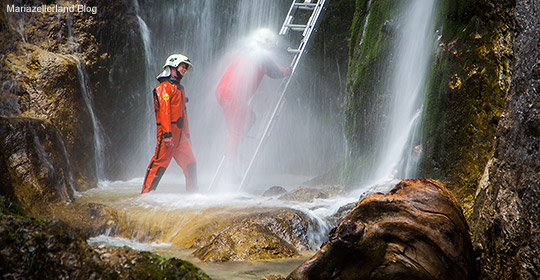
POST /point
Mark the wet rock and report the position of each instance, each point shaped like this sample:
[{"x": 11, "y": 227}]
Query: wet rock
[
  {"x": 506, "y": 216},
  {"x": 34, "y": 167},
  {"x": 468, "y": 85},
  {"x": 342, "y": 212},
  {"x": 91, "y": 218},
  {"x": 274, "y": 191},
  {"x": 304, "y": 195},
  {"x": 270, "y": 234},
  {"x": 40, "y": 79},
  {"x": 245, "y": 242},
  {"x": 273, "y": 277},
  {"x": 43, "y": 249},
  {"x": 51, "y": 61},
  {"x": 309, "y": 194},
  {"x": 416, "y": 231}
]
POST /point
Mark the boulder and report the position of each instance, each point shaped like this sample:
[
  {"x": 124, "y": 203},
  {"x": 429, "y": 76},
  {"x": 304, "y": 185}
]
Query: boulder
[
  {"x": 415, "y": 231},
  {"x": 309, "y": 194},
  {"x": 274, "y": 191},
  {"x": 271, "y": 234}
]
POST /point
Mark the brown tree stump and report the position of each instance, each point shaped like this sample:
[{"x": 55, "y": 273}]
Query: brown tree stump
[{"x": 415, "y": 231}]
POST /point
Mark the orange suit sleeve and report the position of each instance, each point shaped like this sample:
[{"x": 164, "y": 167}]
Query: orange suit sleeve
[{"x": 164, "y": 96}]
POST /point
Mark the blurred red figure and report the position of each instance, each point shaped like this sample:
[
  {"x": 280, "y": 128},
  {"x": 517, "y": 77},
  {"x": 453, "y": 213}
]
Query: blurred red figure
[
  {"x": 172, "y": 126},
  {"x": 239, "y": 84}
]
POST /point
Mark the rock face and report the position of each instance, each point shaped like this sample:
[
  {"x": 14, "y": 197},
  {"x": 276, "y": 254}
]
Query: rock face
[
  {"x": 416, "y": 231},
  {"x": 506, "y": 217},
  {"x": 367, "y": 91},
  {"x": 68, "y": 71},
  {"x": 48, "y": 88},
  {"x": 34, "y": 159},
  {"x": 469, "y": 81}
]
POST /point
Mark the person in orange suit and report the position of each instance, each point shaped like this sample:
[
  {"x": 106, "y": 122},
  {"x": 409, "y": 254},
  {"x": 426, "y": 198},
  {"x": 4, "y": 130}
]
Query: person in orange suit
[
  {"x": 239, "y": 84},
  {"x": 172, "y": 126}
]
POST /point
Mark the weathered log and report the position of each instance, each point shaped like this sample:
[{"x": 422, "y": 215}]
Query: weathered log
[{"x": 415, "y": 231}]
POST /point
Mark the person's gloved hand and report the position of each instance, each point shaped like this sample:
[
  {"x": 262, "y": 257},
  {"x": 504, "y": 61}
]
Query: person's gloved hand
[
  {"x": 168, "y": 141},
  {"x": 287, "y": 72}
]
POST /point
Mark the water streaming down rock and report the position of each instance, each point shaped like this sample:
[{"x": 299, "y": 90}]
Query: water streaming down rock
[
  {"x": 363, "y": 36},
  {"x": 98, "y": 135},
  {"x": 145, "y": 34},
  {"x": 414, "y": 49},
  {"x": 99, "y": 157}
]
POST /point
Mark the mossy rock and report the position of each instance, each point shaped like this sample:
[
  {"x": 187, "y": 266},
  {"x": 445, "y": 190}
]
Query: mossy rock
[
  {"x": 466, "y": 92},
  {"x": 43, "y": 249}
]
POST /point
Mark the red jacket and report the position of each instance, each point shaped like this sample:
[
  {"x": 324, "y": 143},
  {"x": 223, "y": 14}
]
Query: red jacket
[
  {"x": 170, "y": 106},
  {"x": 245, "y": 74}
]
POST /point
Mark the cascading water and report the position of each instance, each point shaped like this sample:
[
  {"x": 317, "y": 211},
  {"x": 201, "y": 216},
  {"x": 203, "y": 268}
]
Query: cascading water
[
  {"x": 98, "y": 131},
  {"x": 99, "y": 152},
  {"x": 414, "y": 49}
]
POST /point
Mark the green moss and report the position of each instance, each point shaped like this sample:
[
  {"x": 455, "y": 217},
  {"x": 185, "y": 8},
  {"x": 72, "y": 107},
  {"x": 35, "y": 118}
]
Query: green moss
[
  {"x": 149, "y": 266},
  {"x": 7, "y": 207},
  {"x": 366, "y": 91},
  {"x": 466, "y": 92}
]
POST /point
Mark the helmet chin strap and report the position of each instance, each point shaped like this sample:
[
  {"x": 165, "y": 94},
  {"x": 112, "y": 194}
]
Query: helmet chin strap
[{"x": 176, "y": 74}]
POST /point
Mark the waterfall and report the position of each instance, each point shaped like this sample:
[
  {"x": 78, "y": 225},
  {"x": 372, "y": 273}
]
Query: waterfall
[
  {"x": 145, "y": 35},
  {"x": 98, "y": 135},
  {"x": 99, "y": 154},
  {"x": 414, "y": 48}
]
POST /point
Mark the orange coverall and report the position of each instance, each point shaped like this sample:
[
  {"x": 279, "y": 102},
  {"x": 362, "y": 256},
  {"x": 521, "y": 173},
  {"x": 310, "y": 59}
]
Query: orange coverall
[
  {"x": 172, "y": 121},
  {"x": 236, "y": 87}
]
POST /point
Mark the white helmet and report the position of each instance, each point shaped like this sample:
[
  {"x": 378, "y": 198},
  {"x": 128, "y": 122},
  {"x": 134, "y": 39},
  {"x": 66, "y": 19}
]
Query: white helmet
[
  {"x": 175, "y": 59},
  {"x": 265, "y": 37}
]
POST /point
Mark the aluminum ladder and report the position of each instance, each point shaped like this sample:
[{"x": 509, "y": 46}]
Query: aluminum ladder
[{"x": 314, "y": 9}]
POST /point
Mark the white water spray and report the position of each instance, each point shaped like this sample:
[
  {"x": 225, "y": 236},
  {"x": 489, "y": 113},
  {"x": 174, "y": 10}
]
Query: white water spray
[{"x": 414, "y": 52}]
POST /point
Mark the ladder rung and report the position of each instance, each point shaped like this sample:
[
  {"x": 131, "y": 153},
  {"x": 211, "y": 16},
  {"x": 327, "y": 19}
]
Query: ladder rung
[
  {"x": 293, "y": 50},
  {"x": 305, "y": 6},
  {"x": 297, "y": 27}
]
